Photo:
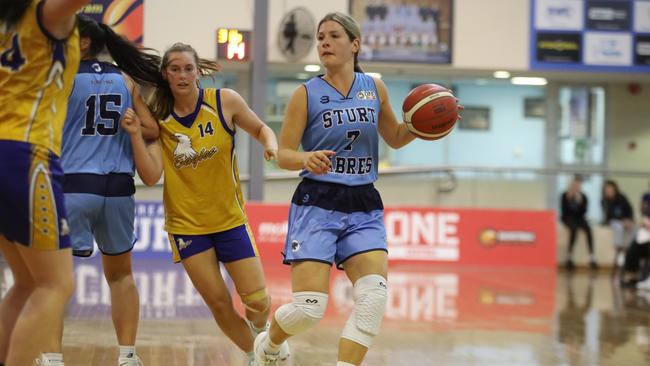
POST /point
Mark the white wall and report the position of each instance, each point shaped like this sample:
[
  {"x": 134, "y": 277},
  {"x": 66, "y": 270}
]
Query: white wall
[
  {"x": 491, "y": 34},
  {"x": 196, "y": 21},
  {"x": 486, "y": 35}
]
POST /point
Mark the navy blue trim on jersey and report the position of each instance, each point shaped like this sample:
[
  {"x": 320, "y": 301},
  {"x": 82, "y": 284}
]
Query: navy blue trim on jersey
[
  {"x": 306, "y": 95},
  {"x": 223, "y": 119},
  {"x": 337, "y": 197},
  {"x": 188, "y": 120},
  {"x": 110, "y": 185},
  {"x": 86, "y": 67},
  {"x": 347, "y": 96}
]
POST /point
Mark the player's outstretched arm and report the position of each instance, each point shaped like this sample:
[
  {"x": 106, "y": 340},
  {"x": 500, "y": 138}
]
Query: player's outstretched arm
[
  {"x": 147, "y": 154},
  {"x": 245, "y": 118},
  {"x": 58, "y": 16}
]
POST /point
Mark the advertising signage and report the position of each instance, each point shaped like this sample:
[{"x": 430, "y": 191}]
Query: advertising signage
[{"x": 590, "y": 35}]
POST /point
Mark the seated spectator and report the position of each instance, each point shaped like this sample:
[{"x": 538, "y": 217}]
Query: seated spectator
[{"x": 618, "y": 214}]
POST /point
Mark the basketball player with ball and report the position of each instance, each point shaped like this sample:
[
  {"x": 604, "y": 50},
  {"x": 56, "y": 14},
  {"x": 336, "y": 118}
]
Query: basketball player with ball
[{"x": 336, "y": 214}]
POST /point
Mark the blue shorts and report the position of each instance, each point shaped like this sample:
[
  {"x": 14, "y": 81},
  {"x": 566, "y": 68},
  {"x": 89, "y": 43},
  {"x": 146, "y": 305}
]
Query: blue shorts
[
  {"x": 32, "y": 211},
  {"x": 106, "y": 220},
  {"x": 230, "y": 245},
  {"x": 330, "y": 222}
]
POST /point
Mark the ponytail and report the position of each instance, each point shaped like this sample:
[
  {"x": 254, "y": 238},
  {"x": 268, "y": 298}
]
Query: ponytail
[
  {"x": 132, "y": 59},
  {"x": 129, "y": 57}
]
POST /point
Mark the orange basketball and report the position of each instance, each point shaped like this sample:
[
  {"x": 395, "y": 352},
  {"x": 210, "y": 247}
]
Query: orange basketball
[{"x": 430, "y": 111}]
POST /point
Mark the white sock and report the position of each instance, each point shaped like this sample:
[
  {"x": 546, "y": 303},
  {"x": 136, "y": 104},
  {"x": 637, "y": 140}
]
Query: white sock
[
  {"x": 127, "y": 351},
  {"x": 255, "y": 329},
  {"x": 343, "y": 363},
  {"x": 270, "y": 347},
  {"x": 58, "y": 357}
]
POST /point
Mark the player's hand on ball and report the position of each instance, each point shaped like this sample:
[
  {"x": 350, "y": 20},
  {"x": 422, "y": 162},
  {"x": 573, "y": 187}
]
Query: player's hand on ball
[
  {"x": 318, "y": 162},
  {"x": 130, "y": 122}
]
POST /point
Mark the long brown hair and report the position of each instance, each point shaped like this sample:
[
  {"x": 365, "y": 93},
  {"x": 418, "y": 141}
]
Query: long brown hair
[
  {"x": 351, "y": 28},
  {"x": 140, "y": 63},
  {"x": 162, "y": 101}
]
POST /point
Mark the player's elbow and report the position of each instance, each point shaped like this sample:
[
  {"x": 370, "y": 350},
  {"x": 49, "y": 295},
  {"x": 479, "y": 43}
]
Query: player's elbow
[{"x": 151, "y": 177}]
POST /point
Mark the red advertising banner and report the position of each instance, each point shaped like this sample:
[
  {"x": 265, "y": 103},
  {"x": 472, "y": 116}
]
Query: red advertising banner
[{"x": 444, "y": 236}]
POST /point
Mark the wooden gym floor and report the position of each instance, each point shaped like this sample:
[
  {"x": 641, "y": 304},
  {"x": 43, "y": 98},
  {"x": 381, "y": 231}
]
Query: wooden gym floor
[{"x": 435, "y": 316}]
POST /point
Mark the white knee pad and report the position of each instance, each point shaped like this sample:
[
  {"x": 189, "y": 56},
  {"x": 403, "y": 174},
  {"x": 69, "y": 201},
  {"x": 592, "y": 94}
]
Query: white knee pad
[
  {"x": 370, "y": 297},
  {"x": 306, "y": 310}
]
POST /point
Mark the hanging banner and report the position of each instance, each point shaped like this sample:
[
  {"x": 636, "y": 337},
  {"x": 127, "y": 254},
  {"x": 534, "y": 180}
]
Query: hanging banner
[{"x": 125, "y": 17}]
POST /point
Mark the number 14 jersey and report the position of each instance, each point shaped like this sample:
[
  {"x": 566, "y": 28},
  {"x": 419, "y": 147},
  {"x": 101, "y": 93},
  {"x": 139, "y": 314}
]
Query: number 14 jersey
[{"x": 202, "y": 192}]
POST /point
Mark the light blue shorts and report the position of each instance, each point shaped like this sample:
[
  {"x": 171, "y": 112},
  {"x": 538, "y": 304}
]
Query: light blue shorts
[
  {"x": 331, "y": 222},
  {"x": 106, "y": 220}
]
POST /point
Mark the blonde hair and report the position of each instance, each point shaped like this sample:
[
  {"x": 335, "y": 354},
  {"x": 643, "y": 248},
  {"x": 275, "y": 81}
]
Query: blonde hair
[
  {"x": 351, "y": 27},
  {"x": 162, "y": 102}
]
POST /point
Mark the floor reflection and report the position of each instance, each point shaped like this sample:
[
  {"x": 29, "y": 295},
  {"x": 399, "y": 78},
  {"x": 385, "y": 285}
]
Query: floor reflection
[{"x": 441, "y": 316}]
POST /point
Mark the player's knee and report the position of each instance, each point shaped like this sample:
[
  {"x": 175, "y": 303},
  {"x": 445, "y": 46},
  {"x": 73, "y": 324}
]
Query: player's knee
[
  {"x": 370, "y": 297},
  {"x": 219, "y": 303},
  {"x": 257, "y": 301},
  {"x": 306, "y": 310}
]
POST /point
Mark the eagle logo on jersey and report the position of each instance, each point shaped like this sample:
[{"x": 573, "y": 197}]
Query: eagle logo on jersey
[
  {"x": 182, "y": 244},
  {"x": 65, "y": 228},
  {"x": 185, "y": 155}
]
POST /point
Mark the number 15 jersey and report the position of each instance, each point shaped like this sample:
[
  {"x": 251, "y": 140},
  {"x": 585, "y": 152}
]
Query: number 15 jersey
[{"x": 93, "y": 141}]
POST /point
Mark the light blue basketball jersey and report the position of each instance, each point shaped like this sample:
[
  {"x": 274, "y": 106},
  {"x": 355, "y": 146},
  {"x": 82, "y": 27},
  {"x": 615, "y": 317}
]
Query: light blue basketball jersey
[
  {"x": 93, "y": 141},
  {"x": 346, "y": 124}
]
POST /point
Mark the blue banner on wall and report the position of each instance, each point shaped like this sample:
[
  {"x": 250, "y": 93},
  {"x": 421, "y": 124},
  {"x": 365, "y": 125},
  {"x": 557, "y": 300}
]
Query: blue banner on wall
[{"x": 590, "y": 35}]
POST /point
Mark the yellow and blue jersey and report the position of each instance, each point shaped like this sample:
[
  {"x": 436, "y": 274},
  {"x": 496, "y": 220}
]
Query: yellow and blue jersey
[
  {"x": 36, "y": 76},
  {"x": 202, "y": 192}
]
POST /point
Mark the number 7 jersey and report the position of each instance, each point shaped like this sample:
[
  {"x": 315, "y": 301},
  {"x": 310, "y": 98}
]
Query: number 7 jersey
[{"x": 202, "y": 192}]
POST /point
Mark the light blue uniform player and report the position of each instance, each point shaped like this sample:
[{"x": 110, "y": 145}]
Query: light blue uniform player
[
  {"x": 336, "y": 215},
  {"x": 98, "y": 162},
  {"x": 107, "y": 120}
]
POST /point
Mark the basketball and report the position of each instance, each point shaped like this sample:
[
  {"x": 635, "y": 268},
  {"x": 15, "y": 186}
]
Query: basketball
[{"x": 430, "y": 111}]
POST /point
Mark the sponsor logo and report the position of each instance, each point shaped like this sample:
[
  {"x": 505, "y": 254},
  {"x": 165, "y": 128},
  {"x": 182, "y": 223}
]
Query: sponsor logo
[
  {"x": 295, "y": 246},
  {"x": 324, "y": 99},
  {"x": 559, "y": 11},
  {"x": 311, "y": 301},
  {"x": 423, "y": 235},
  {"x": 491, "y": 237},
  {"x": 366, "y": 95}
]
